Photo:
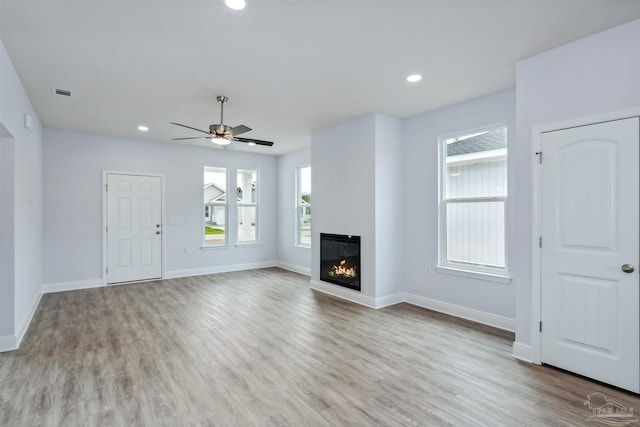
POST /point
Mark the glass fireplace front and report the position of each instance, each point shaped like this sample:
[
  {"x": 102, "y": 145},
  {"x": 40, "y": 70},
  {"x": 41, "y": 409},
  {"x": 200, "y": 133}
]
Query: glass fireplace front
[{"x": 340, "y": 260}]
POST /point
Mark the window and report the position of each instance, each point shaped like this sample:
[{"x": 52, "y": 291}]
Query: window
[
  {"x": 473, "y": 201},
  {"x": 215, "y": 206},
  {"x": 247, "y": 193},
  {"x": 303, "y": 206}
]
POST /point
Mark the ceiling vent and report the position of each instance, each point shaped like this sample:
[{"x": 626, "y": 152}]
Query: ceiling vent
[{"x": 62, "y": 92}]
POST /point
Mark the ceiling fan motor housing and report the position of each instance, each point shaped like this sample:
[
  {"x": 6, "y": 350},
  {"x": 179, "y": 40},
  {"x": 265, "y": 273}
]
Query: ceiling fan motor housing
[{"x": 221, "y": 130}]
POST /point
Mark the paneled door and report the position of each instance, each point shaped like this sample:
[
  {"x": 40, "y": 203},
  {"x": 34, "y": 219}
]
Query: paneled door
[
  {"x": 590, "y": 251},
  {"x": 134, "y": 228}
]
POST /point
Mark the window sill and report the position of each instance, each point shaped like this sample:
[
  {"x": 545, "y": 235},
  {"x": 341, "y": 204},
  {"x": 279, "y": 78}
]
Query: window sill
[
  {"x": 247, "y": 245},
  {"x": 492, "y": 277},
  {"x": 209, "y": 247},
  {"x": 303, "y": 247}
]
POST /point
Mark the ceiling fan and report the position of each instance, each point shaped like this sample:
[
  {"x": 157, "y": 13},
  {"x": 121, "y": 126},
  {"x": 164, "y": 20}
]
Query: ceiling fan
[{"x": 222, "y": 134}]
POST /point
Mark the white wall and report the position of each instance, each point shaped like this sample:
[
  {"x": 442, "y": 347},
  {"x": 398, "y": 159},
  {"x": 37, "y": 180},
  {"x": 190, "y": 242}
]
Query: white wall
[
  {"x": 420, "y": 221},
  {"x": 73, "y": 172},
  {"x": 358, "y": 190},
  {"x": 7, "y": 238},
  {"x": 343, "y": 178},
  {"x": 597, "y": 74},
  {"x": 290, "y": 256},
  {"x": 389, "y": 206},
  {"x": 21, "y": 201}
]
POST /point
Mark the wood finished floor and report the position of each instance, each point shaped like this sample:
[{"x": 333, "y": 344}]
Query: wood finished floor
[{"x": 258, "y": 348}]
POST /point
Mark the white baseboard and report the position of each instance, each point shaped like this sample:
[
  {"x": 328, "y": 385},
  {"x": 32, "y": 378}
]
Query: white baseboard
[
  {"x": 25, "y": 325},
  {"x": 523, "y": 352},
  {"x": 295, "y": 268},
  {"x": 390, "y": 300},
  {"x": 344, "y": 293},
  {"x": 8, "y": 343},
  {"x": 173, "y": 274},
  {"x": 48, "y": 288},
  {"x": 477, "y": 316}
]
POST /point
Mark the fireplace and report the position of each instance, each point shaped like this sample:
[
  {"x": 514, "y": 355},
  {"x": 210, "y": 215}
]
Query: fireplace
[{"x": 340, "y": 260}]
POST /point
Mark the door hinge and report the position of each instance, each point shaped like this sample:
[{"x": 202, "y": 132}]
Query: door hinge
[
  {"x": 106, "y": 228},
  {"x": 540, "y": 241},
  {"x": 539, "y": 154},
  {"x": 106, "y": 270},
  {"x": 541, "y": 326},
  {"x": 106, "y": 187}
]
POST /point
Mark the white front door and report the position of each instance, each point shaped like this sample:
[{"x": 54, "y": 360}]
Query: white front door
[
  {"x": 589, "y": 222},
  {"x": 134, "y": 227}
]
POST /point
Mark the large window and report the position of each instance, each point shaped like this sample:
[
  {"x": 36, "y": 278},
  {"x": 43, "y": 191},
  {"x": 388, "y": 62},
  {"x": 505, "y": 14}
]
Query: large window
[
  {"x": 473, "y": 201},
  {"x": 303, "y": 206},
  {"x": 215, "y": 206},
  {"x": 247, "y": 193}
]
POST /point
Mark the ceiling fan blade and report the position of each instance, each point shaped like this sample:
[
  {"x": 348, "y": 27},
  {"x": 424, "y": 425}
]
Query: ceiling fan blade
[
  {"x": 239, "y": 129},
  {"x": 193, "y": 137},
  {"x": 255, "y": 141},
  {"x": 189, "y": 127}
]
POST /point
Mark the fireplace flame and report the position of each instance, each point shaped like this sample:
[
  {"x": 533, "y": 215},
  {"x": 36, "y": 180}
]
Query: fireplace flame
[{"x": 341, "y": 270}]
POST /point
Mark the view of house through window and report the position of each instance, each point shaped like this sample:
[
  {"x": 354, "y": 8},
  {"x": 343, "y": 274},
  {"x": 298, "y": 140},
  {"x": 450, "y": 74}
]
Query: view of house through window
[
  {"x": 215, "y": 205},
  {"x": 473, "y": 201},
  {"x": 247, "y": 193},
  {"x": 303, "y": 206}
]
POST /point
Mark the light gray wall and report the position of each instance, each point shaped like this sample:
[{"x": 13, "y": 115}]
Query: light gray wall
[
  {"x": 420, "y": 220},
  {"x": 343, "y": 177},
  {"x": 7, "y": 237},
  {"x": 290, "y": 256},
  {"x": 389, "y": 205},
  {"x": 21, "y": 204},
  {"x": 594, "y": 75},
  {"x": 73, "y": 203}
]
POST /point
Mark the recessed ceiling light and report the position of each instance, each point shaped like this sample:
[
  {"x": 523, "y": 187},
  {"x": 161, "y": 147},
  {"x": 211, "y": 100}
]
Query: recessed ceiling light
[
  {"x": 143, "y": 128},
  {"x": 235, "y": 4},
  {"x": 414, "y": 78}
]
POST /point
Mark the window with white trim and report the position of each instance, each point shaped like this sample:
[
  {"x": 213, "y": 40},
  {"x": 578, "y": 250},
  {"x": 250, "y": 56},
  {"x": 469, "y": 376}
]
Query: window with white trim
[
  {"x": 247, "y": 194},
  {"x": 215, "y": 206},
  {"x": 303, "y": 206},
  {"x": 473, "y": 200}
]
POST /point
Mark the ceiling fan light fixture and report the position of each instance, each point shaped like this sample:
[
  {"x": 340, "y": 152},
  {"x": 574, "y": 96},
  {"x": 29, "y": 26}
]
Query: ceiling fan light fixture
[
  {"x": 220, "y": 140},
  {"x": 414, "y": 78},
  {"x": 235, "y": 4},
  {"x": 251, "y": 143}
]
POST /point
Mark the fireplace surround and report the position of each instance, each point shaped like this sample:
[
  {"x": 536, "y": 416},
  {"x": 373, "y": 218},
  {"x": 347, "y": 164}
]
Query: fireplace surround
[{"x": 340, "y": 260}]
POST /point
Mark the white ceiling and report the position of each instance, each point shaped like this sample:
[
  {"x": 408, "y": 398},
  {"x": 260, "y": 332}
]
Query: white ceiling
[{"x": 289, "y": 67}]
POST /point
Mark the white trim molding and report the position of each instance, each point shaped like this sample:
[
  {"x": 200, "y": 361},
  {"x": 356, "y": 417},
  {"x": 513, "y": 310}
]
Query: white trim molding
[
  {"x": 489, "y": 319},
  {"x": 344, "y": 293},
  {"x": 8, "y": 343},
  {"x": 173, "y": 274},
  {"x": 296, "y": 269},
  {"x": 389, "y": 300},
  {"x": 49, "y": 288},
  {"x": 12, "y": 342},
  {"x": 25, "y": 325},
  {"x": 523, "y": 352}
]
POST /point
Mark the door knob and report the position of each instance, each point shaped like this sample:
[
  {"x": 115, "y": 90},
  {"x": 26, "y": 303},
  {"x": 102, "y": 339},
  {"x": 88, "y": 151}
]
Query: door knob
[
  {"x": 157, "y": 225},
  {"x": 157, "y": 232},
  {"x": 627, "y": 268}
]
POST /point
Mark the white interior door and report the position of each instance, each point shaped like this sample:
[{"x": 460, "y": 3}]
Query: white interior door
[
  {"x": 134, "y": 227},
  {"x": 589, "y": 222}
]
